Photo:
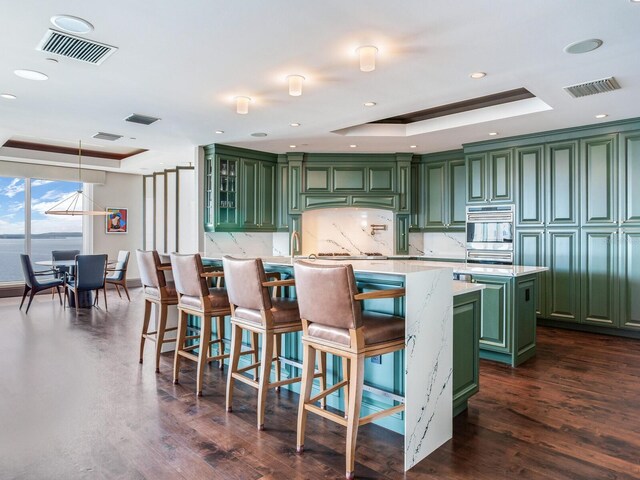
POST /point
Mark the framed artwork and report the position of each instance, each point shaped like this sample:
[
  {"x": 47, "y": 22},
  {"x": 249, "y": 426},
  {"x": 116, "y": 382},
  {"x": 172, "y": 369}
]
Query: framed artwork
[{"x": 117, "y": 221}]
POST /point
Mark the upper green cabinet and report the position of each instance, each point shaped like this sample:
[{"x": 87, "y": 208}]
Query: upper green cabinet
[
  {"x": 490, "y": 177},
  {"x": 629, "y": 174},
  {"x": 443, "y": 196},
  {"x": 598, "y": 167},
  {"x": 530, "y": 186},
  {"x": 240, "y": 190},
  {"x": 562, "y": 184}
]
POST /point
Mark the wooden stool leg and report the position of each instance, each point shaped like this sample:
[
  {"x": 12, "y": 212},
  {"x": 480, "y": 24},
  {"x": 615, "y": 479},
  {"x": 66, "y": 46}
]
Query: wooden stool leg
[
  {"x": 277, "y": 352},
  {"x": 161, "y": 327},
  {"x": 203, "y": 351},
  {"x": 356, "y": 378},
  {"x": 345, "y": 376},
  {"x": 254, "y": 347},
  {"x": 220, "y": 327},
  {"x": 234, "y": 357},
  {"x": 266, "y": 358},
  {"x": 306, "y": 384},
  {"x": 145, "y": 326},
  {"x": 182, "y": 332},
  {"x": 322, "y": 364}
]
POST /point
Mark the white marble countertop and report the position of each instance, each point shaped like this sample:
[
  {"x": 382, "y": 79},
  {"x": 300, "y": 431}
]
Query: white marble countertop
[
  {"x": 403, "y": 267},
  {"x": 460, "y": 288}
]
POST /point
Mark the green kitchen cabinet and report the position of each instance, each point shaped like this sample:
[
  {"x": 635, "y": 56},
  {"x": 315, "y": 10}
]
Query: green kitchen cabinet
[
  {"x": 599, "y": 264},
  {"x": 629, "y": 277},
  {"x": 490, "y": 177},
  {"x": 530, "y": 251},
  {"x": 224, "y": 214},
  {"x": 563, "y": 279},
  {"x": 629, "y": 175},
  {"x": 598, "y": 167},
  {"x": 444, "y": 198},
  {"x": 508, "y": 326},
  {"x": 282, "y": 197},
  {"x": 562, "y": 184},
  {"x": 467, "y": 313},
  {"x": 257, "y": 195},
  {"x": 416, "y": 219},
  {"x": 530, "y": 186},
  {"x": 402, "y": 234}
]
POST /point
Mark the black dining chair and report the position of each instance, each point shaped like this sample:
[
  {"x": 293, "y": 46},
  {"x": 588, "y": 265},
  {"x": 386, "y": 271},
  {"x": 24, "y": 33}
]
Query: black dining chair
[
  {"x": 117, "y": 273},
  {"x": 90, "y": 272},
  {"x": 33, "y": 285},
  {"x": 57, "y": 255}
]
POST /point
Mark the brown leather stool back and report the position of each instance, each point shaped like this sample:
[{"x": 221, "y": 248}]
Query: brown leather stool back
[
  {"x": 148, "y": 263},
  {"x": 244, "y": 279}
]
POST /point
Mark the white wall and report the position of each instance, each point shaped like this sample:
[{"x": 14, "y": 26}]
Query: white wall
[{"x": 122, "y": 191}]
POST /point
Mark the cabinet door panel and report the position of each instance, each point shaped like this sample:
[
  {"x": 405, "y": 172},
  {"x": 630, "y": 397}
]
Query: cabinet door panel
[
  {"x": 348, "y": 179},
  {"x": 630, "y": 279},
  {"x": 381, "y": 179},
  {"x": 457, "y": 193},
  {"x": 598, "y": 167},
  {"x": 466, "y": 334},
  {"x": 435, "y": 178},
  {"x": 494, "y": 332},
  {"x": 630, "y": 179},
  {"x": 530, "y": 251},
  {"x": 525, "y": 335},
  {"x": 563, "y": 279},
  {"x": 266, "y": 203},
  {"x": 501, "y": 179},
  {"x": 417, "y": 192},
  {"x": 316, "y": 179},
  {"x": 476, "y": 178},
  {"x": 562, "y": 184},
  {"x": 402, "y": 234},
  {"x": 530, "y": 198},
  {"x": 282, "y": 202},
  {"x": 249, "y": 173},
  {"x": 598, "y": 277}
]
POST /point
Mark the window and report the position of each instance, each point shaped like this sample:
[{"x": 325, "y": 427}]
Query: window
[{"x": 46, "y": 233}]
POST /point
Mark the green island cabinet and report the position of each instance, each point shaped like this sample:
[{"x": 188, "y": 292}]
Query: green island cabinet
[
  {"x": 443, "y": 201},
  {"x": 508, "y": 328},
  {"x": 240, "y": 190},
  {"x": 577, "y": 199}
]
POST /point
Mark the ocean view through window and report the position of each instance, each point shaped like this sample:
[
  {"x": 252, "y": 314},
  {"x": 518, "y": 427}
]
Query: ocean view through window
[{"x": 46, "y": 232}]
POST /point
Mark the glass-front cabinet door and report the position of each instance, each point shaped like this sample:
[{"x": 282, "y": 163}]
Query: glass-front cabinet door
[{"x": 226, "y": 205}]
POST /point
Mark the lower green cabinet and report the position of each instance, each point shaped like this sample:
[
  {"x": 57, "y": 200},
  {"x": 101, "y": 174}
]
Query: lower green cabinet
[
  {"x": 508, "y": 327},
  {"x": 598, "y": 292},
  {"x": 467, "y": 312},
  {"x": 563, "y": 281},
  {"x": 629, "y": 275},
  {"x": 530, "y": 251}
]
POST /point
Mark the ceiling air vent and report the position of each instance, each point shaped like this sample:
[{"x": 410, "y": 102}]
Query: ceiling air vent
[
  {"x": 591, "y": 88},
  {"x": 74, "y": 47},
  {"x": 107, "y": 136},
  {"x": 141, "y": 119}
]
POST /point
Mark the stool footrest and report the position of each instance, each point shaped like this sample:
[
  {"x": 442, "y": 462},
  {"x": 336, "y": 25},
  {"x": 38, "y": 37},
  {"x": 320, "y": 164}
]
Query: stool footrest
[
  {"x": 328, "y": 391},
  {"x": 283, "y": 382},
  {"x": 383, "y": 413},
  {"x": 248, "y": 381},
  {"x": 217, "y": 357},
  {"x": 327, "y": 414},
  {"x": 188, "y": 355},
  {"x": 253, "y": 366}
]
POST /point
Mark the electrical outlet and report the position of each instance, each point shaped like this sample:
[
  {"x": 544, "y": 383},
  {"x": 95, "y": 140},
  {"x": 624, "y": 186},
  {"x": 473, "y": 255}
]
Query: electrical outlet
[{"x": 377, "y": 359}]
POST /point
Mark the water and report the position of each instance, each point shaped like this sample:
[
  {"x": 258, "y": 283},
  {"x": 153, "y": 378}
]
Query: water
[{"x": 10, "y": 248}]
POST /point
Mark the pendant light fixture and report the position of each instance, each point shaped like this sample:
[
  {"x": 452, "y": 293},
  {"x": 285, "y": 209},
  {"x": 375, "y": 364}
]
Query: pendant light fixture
[
  {"x": 295, "y": 85},
  {"x": 367, "y": 54},
  {"x": 72, "y": 205},
  {"x": 242, "y": 105}
]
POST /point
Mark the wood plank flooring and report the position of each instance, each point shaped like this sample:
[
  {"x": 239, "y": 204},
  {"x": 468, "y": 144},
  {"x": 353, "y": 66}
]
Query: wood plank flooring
[{"x": 75, "y": 403}]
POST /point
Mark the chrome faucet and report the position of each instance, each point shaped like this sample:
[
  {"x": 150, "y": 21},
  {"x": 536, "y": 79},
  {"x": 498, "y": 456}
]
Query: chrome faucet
[{"x": 294, "y": 244}]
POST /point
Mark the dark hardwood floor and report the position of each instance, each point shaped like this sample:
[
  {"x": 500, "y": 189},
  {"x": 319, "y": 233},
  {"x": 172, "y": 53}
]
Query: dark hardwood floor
[{"x": 75, "y": 403}]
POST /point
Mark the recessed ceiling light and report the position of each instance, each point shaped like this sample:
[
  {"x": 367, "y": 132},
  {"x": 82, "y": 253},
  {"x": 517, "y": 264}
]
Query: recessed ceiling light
[
  {"x": 353, "y": 146},
  {"x": 604, "y": 115},
  {"x": 413, "y": 146},
  {"x": 294, "y": 124},
  {"x": 31, "y": 75},
  {"x": 8, "y": 96},
  {"x": 583, "y": 46},
  {"x": 219, "y": 132},
  {"x": 132, "y": 138},
  {"x": 493, "y": 134},
  {"x": 477, "y": 75},
  {"x": 259, "y": 134},
  {"x": 292, "y": 146},
  {"x": 369, "y": 104},
  {"x": 71, "y": 24}
]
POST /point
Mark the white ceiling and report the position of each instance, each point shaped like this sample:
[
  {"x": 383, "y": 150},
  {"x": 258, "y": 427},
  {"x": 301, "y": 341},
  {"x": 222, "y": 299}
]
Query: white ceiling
[{"x": 184, "y": 61}]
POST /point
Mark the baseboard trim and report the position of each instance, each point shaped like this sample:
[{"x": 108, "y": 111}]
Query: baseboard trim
[{"x": 581, "y": 327}]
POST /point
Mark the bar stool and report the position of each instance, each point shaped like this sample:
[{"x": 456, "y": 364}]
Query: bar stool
[
  {"x": 197, "y": 299},
  {"x": 333, "y": 322},
  {"x": 254, "y": 310},
  {"x": 158, "y": 292}
]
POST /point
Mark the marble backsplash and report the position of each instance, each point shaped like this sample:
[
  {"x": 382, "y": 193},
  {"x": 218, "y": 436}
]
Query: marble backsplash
[
  {"x": 444, "y": 244},
  {"x": 250, "y": 243}
]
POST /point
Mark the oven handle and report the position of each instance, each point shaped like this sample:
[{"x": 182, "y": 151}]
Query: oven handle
[
  {"x": 474, "y": 218},
  {"x": 490, "y": 256}
]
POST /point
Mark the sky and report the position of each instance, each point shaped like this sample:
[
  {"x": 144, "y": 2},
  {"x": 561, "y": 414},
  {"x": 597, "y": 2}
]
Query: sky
[{"x": 44, "y": 195}]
